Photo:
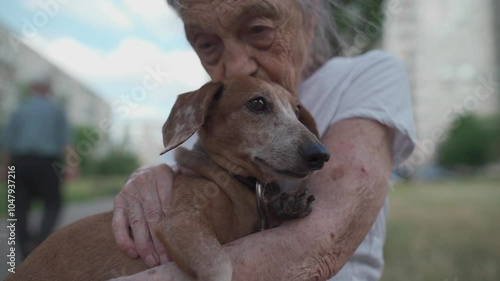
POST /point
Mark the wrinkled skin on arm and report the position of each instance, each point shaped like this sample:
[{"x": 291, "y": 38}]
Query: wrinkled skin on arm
[{"x": 350, "y": 191}]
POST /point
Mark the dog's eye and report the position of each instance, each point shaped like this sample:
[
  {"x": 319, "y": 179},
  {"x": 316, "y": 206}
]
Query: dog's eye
[{"x": 257, "y": 105}]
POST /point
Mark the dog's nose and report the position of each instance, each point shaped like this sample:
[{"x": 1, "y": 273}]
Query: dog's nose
[{"x": 315, "y": 155}]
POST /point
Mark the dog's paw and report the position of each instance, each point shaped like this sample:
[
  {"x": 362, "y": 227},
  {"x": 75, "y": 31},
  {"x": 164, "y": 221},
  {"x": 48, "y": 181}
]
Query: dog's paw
[{"x": 291, "y": 205}]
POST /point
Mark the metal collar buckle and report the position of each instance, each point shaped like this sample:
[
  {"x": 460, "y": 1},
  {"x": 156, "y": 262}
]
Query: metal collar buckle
[{"x": 261, "y": 206}]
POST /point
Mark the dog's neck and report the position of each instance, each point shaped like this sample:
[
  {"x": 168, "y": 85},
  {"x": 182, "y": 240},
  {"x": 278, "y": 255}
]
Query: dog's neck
[
  {"x": 200, "y": 162},
  {"x": 232, "y": 164},
  {"x": 249, "y": 182},
  {"x": 271, "y": 188},
  {"x": 244, "y": 178}
]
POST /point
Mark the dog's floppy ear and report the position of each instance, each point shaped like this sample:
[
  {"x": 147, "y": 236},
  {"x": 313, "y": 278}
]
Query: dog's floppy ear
[
  {"x": 188, "y": 115},
  {"x": 307, "y": 120}
]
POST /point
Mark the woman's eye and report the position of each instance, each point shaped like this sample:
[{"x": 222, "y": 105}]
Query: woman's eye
[
  {"x": 257, "y": 105},
  {"x": 260, "y": 36},
  {"x": 203, "y": 46},
  {"x": 207, "y": 47},
  {"x": 257, "y": 29}
]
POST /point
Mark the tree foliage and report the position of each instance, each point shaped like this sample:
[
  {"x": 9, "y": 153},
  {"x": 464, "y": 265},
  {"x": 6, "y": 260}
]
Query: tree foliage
[
  {"x": 116, "y": 161},
  {"x": 359, "y": 23},
  {"x": 474, "y": 142}
]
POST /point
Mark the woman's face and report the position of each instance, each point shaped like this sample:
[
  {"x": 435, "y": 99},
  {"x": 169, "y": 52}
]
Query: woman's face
[{"x": 267, "y": 39}]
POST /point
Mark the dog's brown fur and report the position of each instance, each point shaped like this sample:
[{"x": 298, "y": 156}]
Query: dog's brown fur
[{"x": 206, "y": 211}]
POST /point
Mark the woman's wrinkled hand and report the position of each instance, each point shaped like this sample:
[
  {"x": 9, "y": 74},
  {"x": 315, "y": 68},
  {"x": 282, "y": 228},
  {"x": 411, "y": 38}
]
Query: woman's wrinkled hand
[{"x": 138, "y": 208}]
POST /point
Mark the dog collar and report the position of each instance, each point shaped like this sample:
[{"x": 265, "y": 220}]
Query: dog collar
[
  {"x": 247, "y": 181},
  {"x": 260, "y": 190},
  {"x": 261, "y": 206}
]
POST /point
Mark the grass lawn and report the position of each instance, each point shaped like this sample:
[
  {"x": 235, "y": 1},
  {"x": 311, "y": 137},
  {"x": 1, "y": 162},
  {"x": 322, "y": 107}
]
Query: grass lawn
[
  {"x": 444, "y": 231},
  {"x": 83, "y": 189}
]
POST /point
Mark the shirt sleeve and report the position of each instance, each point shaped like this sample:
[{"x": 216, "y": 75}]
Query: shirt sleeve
[{"x": 380, "y": 90}]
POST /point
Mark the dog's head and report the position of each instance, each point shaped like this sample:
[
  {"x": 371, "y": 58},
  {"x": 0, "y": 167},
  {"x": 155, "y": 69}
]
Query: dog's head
[{"x": 250, "y": 127}]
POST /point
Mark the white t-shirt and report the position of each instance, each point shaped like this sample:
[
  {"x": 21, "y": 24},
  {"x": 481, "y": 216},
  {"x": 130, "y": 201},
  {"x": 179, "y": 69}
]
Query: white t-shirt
[{"x": 373, "y": 86}]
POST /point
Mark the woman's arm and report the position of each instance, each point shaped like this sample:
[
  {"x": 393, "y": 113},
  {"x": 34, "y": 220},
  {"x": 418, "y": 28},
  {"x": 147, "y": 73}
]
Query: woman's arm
[{"x": 349, "y": 190}]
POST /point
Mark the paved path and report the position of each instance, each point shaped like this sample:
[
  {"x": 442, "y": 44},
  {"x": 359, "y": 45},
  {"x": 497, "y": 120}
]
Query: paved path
[{"x": 69, "y": 214}]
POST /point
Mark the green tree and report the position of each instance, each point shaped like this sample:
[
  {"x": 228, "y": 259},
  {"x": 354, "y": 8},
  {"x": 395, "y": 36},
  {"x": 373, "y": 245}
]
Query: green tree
[
  {"x": 87, "y": 160},
  {"x": 359, "y": 23},
  {"x": 474, "y": 142},
  {"x": 117, "y": 161}
]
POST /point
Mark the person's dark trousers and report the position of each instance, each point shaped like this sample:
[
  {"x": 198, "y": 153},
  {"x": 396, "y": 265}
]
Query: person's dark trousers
[{"x": 35, "y": 178}]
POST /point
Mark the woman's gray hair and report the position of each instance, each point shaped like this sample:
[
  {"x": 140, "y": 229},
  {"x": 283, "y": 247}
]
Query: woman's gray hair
[{"x": 326, "y": 42}]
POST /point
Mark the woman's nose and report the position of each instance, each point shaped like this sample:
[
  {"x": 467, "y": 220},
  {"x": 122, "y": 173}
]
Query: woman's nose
[{"x": 238, "y": 61}]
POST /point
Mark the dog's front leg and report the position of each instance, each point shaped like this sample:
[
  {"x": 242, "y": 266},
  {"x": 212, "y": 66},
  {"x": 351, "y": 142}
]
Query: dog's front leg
[
  {"x": 191, "y": 242},
  {"x": 291, "y": 205}
]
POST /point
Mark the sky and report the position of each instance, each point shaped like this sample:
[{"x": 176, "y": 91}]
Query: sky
[{"x": 111, "y": 46}]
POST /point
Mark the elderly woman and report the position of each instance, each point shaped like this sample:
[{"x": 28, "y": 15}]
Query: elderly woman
[{"x": 363, "y": 110}]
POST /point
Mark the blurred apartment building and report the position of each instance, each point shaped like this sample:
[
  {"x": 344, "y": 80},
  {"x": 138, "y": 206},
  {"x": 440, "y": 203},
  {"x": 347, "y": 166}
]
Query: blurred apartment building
[
  {"x": 145, "y": 137},
  {"x": 19, "y": 63},
  {"x": 452, "y": 51}
]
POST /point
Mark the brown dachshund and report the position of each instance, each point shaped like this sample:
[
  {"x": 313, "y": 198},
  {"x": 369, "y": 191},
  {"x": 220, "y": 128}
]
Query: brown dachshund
[{"x": 251, "y": 133}]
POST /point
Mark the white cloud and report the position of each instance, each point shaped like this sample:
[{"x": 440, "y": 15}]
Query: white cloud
[
  {"x": 148, "y": 9},
  {"x": 154, "y": 14},
  {"x": 115, "y": 15},
  {"x": 157, "y": 17},
  {"x": 101, "y": 14},
  {"x": 130, "y": 60},
  {"x": 31, "y": 4},
  {"x": 79, "y": 60}
]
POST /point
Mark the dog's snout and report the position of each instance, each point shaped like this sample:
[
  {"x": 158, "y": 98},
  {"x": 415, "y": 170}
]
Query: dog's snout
[{"x": 315, "y": 155}]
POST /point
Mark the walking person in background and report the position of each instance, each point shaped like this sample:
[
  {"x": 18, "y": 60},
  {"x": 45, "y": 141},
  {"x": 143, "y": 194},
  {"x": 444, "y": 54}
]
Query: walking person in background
[{"x": 34, "y": 139}]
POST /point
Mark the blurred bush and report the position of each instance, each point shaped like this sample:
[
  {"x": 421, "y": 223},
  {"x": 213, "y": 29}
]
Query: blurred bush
[
  {"x": 115, "y": 161},
  {"x": 473, "y": 142},
  {"x": 87, "y": 160}
]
